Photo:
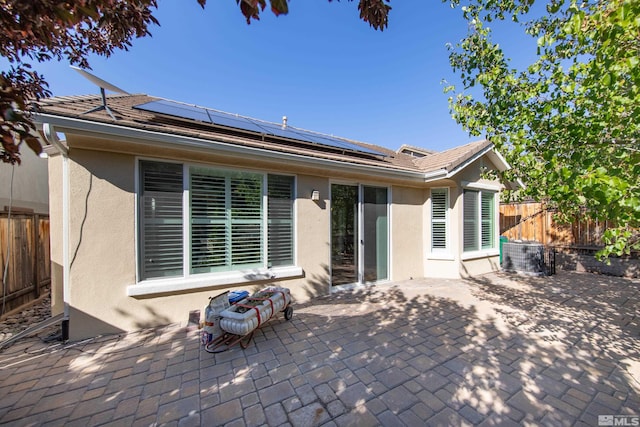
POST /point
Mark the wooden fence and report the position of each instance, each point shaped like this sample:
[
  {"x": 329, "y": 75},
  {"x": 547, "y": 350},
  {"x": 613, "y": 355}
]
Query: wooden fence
[
  {"x": 534, "y": 221},
  {"x": 29, "y": 270}
]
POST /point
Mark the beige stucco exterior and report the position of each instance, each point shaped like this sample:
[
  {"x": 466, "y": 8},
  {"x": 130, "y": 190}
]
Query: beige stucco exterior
[
  {"x": 102, "y": 236},
  {"x": 30, "y": 190}
]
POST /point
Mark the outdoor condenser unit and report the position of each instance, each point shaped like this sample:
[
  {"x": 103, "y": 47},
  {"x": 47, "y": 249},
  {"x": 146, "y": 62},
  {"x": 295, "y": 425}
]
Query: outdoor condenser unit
[{"x": 525, "y": 257}]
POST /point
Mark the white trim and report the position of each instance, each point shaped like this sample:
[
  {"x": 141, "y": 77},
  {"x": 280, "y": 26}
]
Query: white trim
[
  {"x": 389, "y": 232},
  {"x": 136, "y": 218},
  {"x": 495, "y": 157},
  {"x": 264, "y": 236},
  {"x": 499, "y": 161},
  {"x": 51, "y": 136},
  {"x": 187, "y": 276},
  {"x": 470, "y": 160},
  {"x": 480, "y": 186},
  {"x": 447, "y": 221},
  {"x": 360, "y": 231},
  {"x": 202, "y": 281},
  {"x": 186, "y": 220}
]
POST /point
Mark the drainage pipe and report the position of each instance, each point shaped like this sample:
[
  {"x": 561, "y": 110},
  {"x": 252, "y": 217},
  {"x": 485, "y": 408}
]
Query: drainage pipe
[{"x": 52, "y": 138}]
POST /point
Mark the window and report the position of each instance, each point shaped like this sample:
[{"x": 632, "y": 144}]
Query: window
[
  {"x": 230, "y": 215},
  {"x": 487, "y": 216},
  {"x": 479, "y": 220},
  {"x": 439, "y": 209},
  {"x": 161, "y": 219},
  {"x": 226, "y": 220},
  {"x": 280, "y": 213}
]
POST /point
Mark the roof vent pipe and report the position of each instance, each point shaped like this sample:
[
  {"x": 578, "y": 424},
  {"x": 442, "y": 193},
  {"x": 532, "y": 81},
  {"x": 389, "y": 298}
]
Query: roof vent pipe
[{"x": 284, "y": 122}]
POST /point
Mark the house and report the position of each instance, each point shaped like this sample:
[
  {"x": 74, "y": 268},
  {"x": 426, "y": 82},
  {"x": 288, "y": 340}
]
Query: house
[
  {"x": 157, "y": 205},
  {"x": 25, "y": 186}
]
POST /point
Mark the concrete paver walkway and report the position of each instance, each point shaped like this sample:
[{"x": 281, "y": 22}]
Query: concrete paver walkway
[{"x": 498, "y": 350}]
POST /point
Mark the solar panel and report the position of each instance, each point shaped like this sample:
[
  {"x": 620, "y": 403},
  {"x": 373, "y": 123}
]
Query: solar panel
[
  {"x": 176, "y": 109},
  {"x": 233, "y": 121},
  {"x": 220, "y": 118}
]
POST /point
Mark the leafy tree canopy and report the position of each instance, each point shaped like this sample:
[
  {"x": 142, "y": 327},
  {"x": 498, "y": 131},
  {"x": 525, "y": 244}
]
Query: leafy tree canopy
[
  {"x": 569, "y": 122},
  {"x": 43, "y": 30}
]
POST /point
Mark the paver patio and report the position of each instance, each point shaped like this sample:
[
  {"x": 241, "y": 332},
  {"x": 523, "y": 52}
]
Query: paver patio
[{"x": 497, "y": 350}]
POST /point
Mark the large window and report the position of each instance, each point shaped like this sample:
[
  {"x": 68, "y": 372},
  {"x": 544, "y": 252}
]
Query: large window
[
  {"x": 280, "y": 214},
  {"x": 479, "y": 220},
  {"x": 439, "y": 213},
  {"x": 161, "y": 247},
  {"x": 234, "y": 220}
]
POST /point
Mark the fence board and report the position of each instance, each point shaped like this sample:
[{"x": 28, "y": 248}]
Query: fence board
[
  {"x": 533, "y": 221},
  {"x": 24, "y": 240}
]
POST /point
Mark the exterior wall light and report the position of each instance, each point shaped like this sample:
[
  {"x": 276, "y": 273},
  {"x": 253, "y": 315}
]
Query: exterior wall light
[{"x": 315, "y": 195}]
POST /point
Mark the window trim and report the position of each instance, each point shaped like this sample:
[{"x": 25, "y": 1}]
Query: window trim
[
  {"x": 441, "y": 253},
  {"x": 211, "y": 280},
  {"x": 188, "y": 280},
  {"x": 480, "y": 252}
]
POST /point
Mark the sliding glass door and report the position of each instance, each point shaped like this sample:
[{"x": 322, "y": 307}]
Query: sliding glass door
[
  {"x": 359, "y": 234},
  {"x": 375, "y": 240},
  {"x": 344, "y": 227}
]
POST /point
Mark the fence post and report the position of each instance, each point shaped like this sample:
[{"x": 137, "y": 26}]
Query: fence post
[{"x": 35, "y": 245}]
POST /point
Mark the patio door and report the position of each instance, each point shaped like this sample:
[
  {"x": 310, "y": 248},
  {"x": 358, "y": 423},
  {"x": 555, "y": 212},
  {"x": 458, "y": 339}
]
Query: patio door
[{"x": 359, "y": 234}]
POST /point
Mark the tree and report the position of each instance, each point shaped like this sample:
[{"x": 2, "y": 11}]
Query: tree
[
  {"x": 44, "y": 30},
  {"x": 569, "y": 123}
]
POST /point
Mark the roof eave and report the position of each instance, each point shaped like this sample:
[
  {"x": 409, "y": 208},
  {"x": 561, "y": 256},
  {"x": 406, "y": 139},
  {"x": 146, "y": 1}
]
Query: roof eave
[
  {"x": 495, "y": 157},
  {"x": 148, "y": 137}
]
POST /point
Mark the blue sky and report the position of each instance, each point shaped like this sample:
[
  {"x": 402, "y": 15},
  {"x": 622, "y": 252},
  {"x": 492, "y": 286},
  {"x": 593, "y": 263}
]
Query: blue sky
[{"x": 321, "y": 66}]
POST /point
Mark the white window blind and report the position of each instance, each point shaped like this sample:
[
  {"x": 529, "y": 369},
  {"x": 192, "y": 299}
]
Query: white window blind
[
  {"x": 208, "y": 222},
  {"x": 487, "y": 217},
  {"x": 280, "y": 215},
  {"x": 226, "y": 220},
  {"x": 161, "y": 246},
  {"x": 479, "y": 220},
  {"x": 246, "y": 219},
  {"x": 470, "y": 214},
  {"x": 439, "y": 207}
]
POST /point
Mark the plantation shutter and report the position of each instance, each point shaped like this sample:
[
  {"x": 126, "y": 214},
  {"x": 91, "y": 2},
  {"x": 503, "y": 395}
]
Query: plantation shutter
[
  {"x": 208, "y": 222},
  {"x": 487, "y": 217},
  {"x": 246, "y": 219},
  {"x": 470, "y": 218},
  {"x": 439, "y": 205},
  {"x": 280, "y": 224},
  {"x": 161, "y": 219},
  {"x": 226, "y": 220}
]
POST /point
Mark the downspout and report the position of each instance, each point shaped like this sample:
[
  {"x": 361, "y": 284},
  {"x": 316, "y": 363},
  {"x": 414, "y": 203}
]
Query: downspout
[{"x": 52, "y": 138}]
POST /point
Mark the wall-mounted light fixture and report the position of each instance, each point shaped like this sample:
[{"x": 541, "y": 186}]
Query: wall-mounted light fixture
[{"x": 315, "y": 195}]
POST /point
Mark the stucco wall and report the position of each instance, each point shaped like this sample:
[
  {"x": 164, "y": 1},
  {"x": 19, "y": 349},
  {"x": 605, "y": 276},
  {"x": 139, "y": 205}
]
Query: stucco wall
[
  {"x": 476, "y": 267},
  {"x": 103, "y": 242},
  {"x": 312, "y": 239},
  {"x": 30, "y": 187},
  {"x": 407, "y": 249},
  {"x": 103, "y": 237}
]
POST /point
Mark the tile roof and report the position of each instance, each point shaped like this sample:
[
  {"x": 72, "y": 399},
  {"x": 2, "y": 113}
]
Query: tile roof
[
  {"x": 451, "y": 159},
  {"x": 78, "y": 107}
]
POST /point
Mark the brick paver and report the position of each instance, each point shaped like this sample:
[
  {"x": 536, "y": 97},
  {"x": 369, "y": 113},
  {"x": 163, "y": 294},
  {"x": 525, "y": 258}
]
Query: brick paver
[{"x": 495, "y": 350}]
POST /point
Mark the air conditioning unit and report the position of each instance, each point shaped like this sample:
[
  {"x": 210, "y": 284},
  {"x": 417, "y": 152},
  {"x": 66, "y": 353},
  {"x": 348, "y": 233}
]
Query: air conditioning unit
[{"x": 527, "y": 257}]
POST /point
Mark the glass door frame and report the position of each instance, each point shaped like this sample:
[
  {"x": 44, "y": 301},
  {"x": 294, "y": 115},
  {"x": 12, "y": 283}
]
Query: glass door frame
[{"x": 360, "y": 250}]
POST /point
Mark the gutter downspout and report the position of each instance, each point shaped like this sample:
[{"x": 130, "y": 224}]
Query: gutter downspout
[{"x": 52, "y": 138}]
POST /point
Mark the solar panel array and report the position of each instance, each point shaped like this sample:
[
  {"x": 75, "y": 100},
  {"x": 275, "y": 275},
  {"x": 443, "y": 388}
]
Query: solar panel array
[{"x": 207, "y": 115}]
